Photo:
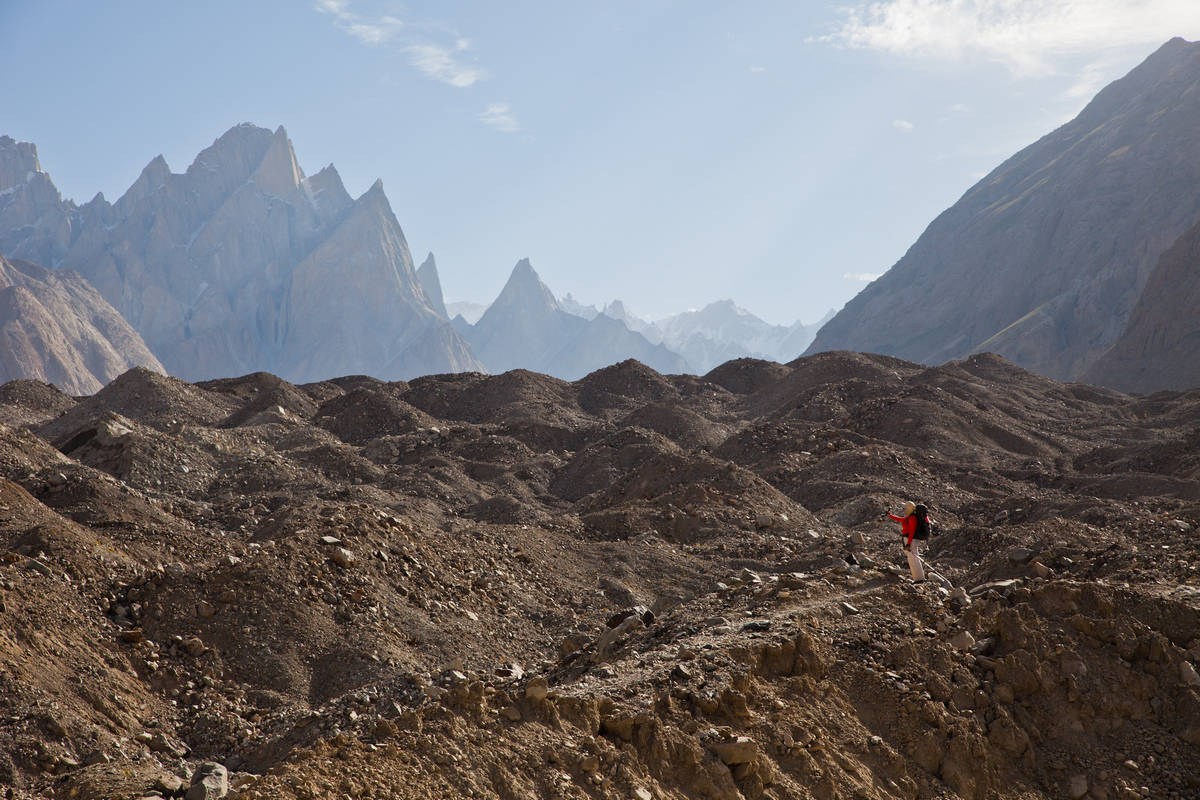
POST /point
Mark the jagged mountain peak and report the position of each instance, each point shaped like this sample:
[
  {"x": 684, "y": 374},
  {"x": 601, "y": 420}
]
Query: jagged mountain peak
[
  {"x": 153, "y": 176},
  {"x": 279, "y": 173},
  {"x": 327, "y": 192},
  {"x": 17, "y": 161},
  {"x": 236, "y": 153},
  {"x": 525, "y": 289},
  {"x": 431, "y": 284}
]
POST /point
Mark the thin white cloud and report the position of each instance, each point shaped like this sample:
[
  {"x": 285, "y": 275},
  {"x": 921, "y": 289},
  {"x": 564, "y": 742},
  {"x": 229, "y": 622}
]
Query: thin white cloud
[
  {"x": 439, "y": 63},
  {"x": 436, "y": 61},
  {"x": 500, "y": 117},
  {"x": 903, "y": 125},
  {"x": 861, "y": 277},
  {"x": 1029, "y": 37},
  {"x": 960, "y": 108},
  {"x": 367, "y": 31},
  {"x": 756, "y": 69}
]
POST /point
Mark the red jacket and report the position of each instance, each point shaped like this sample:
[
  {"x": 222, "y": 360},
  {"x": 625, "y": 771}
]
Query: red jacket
[{"x": 908, "y": 526}]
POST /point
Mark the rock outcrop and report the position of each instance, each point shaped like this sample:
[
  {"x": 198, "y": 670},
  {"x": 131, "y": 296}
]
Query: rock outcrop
[
  {"x": 1044, "y": 259},
  {"x": 241, "y": 263},
  {"x": 1160, "y": 348},
  {"x": 527, "y": 328},
  {"x": 56, "y": 328}
]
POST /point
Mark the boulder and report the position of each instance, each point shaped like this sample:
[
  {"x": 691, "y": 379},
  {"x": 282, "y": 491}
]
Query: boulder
[{"x": 210, "y": 781}]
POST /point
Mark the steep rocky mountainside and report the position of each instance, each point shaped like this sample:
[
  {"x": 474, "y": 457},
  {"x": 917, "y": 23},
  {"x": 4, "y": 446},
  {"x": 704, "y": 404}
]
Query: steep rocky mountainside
[
  {"x": 1044, "y": 259},
  {"x": 240, "y": 263},
  {"x": 629, "y": 586},
  {"x": 527, "y": 328},
  {"x": 56, "y": 328},
  {"x": 1160, "y": 347}
]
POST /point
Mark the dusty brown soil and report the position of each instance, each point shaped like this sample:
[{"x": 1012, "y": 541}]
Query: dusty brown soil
[{"x": 631, "y": 586}]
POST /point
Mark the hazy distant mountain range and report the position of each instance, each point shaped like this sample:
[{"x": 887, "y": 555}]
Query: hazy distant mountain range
[
  {"x": 1078, "y": 258},
  {"x": 244, "y": 263},
  {"x": 1045, "y": 260},
  {"x": 705, "y": 338}
]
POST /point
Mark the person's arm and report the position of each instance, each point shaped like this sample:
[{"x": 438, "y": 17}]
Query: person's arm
[{"x": 895, "y": 518}]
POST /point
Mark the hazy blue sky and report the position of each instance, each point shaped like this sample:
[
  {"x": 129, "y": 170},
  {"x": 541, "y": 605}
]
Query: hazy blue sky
[{"x": 669, "y": 153}]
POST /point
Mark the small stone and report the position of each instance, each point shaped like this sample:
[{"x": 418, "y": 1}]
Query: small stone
[
  {"x": 764, "y": 519},
  {"x": 1077, "y": 787},
  {"x": 857, "y": 538},
  {"x": 55, "y": 728},
  {"x": 194, "y": 646},
  {"x": 1181, "y": 525},
  {"x": 512, "y": 713},
  {"x": 537, "y": 689},
  {"x": 1039, "y": 570},
  {"x": 169, "y": 784},
  {"x": 96, "y": 757},
  {"x": 161, "y": 743},
  {"x": 757, "y": 626},
  {"x": 510, "y": 670},
  {"x": 343, "y": 557},
  {"x": 962, "y": 640},
  {"x": 748, "y": 576},
  {"x": 1188, "y": 674},
  {"x": 210, "y": 781},
  {"x": 849, "y": 609},
  {"x": 205, "y": 609},
  {"x": 330, "y": 540},
  {"x": 681, "y": 674},
  {"x": 589, "y": 764},
  {"x": 813, "y": 534},
  {"x": 1020, "y": 555},
  {"x": 741, "y": 750}
]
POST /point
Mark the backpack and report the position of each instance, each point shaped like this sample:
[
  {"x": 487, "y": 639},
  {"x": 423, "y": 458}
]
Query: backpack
[{"x": 923, "y": 526}]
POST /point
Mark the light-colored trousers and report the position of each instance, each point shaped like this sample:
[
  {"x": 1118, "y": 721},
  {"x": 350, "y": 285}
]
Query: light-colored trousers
[{"x": 914, "y": 560}]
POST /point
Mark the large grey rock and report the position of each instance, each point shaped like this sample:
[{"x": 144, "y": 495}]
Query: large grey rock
[
  {"x": 210, "y": 781},
  {"x": 1044, "y": 259}
]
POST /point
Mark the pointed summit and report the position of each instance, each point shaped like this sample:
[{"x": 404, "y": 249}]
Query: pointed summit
[
  {"x": 525, "y": 290},
  {"x": 427, "y": 275},
  {"x": 154, "y": 176},
  {"x": 278, "y": 173},
  {"x": 327, "y": 192}
]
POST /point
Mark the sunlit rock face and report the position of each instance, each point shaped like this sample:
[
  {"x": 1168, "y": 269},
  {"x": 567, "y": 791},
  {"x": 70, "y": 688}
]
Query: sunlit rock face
[{"x": 56, "y": 328}]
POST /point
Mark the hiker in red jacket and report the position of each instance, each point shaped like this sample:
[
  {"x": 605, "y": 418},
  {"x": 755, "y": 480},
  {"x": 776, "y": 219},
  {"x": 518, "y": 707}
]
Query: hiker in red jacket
[{"x": 914, "y": 524}]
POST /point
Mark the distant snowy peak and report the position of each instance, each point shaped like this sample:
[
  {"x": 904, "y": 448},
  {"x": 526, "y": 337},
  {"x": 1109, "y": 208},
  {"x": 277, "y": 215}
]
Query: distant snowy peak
[
  {"x": 723, "y": 330},
  {"x": 468, "y": 311},
  {"x": 617, "y": 310},
  {"x": 573, "y": 306}
]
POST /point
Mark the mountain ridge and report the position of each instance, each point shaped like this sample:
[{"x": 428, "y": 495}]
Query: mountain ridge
[
  {"x": 1043, "y": 259},
  {"x": 221, "y": 268}
]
